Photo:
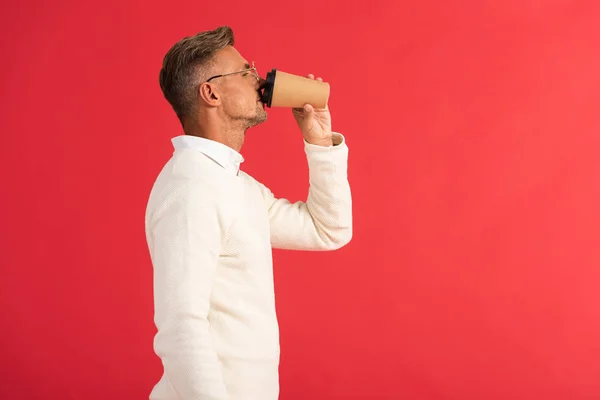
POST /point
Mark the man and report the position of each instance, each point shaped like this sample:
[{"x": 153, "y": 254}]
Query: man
[{"x": 211, "y": 227}]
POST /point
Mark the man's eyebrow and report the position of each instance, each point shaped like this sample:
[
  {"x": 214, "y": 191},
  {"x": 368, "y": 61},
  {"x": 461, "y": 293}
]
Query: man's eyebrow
[{"x": 246, "y": 66}]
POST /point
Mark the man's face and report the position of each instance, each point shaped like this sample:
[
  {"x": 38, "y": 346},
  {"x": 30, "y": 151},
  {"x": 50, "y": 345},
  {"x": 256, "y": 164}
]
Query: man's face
[{"x": 239, "y": 91}]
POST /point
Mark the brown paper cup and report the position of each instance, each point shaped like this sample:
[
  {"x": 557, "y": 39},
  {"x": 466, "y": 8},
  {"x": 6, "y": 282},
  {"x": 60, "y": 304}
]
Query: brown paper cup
[{"x": 282, "y": 89}]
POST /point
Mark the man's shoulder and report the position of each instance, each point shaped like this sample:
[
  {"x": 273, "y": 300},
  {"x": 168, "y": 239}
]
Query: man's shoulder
[
  {"x": 186, "y": 176},
  {"x": 174, "y": 196}
]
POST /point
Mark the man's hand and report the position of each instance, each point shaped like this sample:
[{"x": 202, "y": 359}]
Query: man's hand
[{"x": 315, "y": 124}]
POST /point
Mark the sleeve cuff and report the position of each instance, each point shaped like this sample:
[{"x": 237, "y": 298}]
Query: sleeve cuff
[{"x": 339, "y": 141}]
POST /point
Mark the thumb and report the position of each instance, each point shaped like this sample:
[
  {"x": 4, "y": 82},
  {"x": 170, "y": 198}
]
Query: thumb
[{"x": 308, "y": 108}]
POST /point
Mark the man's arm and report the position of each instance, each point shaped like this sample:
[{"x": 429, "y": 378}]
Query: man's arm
[
  {"x": 186, "y": 237},
  {"x": 324, "y": 221}
]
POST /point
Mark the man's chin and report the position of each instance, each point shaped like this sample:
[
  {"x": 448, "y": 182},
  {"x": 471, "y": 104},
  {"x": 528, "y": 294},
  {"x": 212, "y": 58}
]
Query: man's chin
[
  {"x": 261, "y": 114},
  {"x": 258, "y": 119}
]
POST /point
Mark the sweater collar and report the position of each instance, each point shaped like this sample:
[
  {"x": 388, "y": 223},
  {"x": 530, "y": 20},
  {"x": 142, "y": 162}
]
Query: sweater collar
[{"x": 223, "y": 155}]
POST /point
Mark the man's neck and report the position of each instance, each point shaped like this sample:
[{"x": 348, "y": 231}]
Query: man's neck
[{"x": 227, "y": 135}]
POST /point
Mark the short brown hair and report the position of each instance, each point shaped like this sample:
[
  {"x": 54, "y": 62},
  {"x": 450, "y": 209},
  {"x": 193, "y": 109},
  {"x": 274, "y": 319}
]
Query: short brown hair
[{"x": 181, "y": 71}]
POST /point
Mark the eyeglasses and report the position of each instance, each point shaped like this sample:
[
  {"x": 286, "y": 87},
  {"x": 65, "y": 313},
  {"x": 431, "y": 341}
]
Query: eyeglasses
[{"x": 251, "y": 68}]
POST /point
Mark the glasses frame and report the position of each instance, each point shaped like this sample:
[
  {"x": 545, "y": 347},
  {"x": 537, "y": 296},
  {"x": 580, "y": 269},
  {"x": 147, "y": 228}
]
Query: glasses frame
[{"x": 252, "y": 68}]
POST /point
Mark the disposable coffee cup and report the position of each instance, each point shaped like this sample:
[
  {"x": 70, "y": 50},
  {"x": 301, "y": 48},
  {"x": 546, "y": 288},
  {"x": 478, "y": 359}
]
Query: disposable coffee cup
[{"x": 282, "y": 89}]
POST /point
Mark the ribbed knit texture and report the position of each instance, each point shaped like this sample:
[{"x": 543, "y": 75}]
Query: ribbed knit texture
[{"x": 210, "y": 234}]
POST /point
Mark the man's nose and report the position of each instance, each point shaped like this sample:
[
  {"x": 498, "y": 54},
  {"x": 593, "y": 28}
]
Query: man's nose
[{"x": 261, "y": 83}]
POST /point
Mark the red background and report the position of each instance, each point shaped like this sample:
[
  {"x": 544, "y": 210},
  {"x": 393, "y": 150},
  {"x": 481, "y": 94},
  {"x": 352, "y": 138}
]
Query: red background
[{"x": 474, "y": 136}]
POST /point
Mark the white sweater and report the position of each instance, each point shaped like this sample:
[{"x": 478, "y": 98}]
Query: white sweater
[{"x": 210, "y": 229}]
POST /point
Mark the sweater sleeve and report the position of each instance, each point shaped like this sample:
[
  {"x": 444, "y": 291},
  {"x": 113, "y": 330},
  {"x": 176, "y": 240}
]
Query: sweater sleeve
[
  {"x": 186, "y": 233},
  {"x": 324, "y": 221}
]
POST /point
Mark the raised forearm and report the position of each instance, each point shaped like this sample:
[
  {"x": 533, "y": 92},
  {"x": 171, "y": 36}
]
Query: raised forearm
[{"x": 324, "y": 221}]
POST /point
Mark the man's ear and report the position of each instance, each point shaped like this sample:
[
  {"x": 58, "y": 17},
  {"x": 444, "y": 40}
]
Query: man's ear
[{"x": 209, "y": 94}]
